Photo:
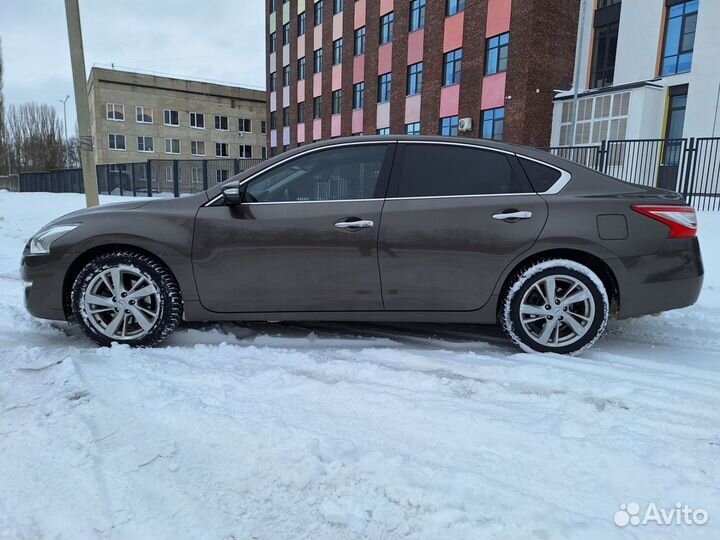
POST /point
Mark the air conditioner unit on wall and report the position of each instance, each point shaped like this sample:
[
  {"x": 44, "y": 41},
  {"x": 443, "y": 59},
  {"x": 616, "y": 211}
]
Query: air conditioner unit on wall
[{"x": 465, "y": 124}]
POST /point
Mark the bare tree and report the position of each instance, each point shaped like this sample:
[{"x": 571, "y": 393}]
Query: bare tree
[
  {"x": 34, "y": 135},
  {"x": 3, "y": 149}
]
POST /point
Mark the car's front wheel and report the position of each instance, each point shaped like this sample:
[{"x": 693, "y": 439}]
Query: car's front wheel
[
  {"x": 126, "y": 297},
  {"x": 556, "y": 306}
]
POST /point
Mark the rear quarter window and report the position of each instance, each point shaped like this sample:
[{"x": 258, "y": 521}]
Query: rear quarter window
[
  {"x": 436, "y": 170},
  {"x": 541, "y": 176}
]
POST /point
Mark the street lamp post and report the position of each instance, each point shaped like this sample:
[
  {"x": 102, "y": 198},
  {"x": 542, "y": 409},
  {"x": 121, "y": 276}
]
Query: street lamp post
[{"x": 67, "y": 143}]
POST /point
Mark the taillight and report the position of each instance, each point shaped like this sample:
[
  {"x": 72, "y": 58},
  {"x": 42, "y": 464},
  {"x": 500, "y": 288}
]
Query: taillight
[{"x": 682, "y": 220}]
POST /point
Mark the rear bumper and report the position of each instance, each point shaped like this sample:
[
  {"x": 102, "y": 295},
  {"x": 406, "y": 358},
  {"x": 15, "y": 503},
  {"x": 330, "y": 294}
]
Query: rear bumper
[{"x": 669, "y": 279}]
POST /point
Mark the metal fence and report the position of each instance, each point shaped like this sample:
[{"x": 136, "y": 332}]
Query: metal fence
[
  {"x": 688, "y": 166},
  {"x": 10, "y": 183}
]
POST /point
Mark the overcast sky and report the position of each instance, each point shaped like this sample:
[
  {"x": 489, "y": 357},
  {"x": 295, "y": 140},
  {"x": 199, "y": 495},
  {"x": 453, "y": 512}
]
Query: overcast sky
[{"x": 220, "y": 40}]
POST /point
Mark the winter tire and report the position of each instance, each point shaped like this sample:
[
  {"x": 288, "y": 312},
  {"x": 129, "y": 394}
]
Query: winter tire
[
  {"x": 126, "y": 297},
  {"x": 558, "y": 306}
]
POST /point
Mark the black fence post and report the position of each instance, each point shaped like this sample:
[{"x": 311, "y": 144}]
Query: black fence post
[
  {"x": 237, "y": 166},
  {"x": 121, "y": 177},
  {"x": 148, "y": 175},
  {"x": 205, "y": 174},
  {"x": 600, "y": 157},
  {"x": 176, "y": 178},
  {"x": 132, "y": 179},
  {"x": 688, "y": 187}
]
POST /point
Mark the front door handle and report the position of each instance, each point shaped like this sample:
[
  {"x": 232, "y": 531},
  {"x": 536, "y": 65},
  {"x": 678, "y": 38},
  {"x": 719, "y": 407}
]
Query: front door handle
[
  {"x": 512, "y": 215},
  {"x": 355, "y": 225}
]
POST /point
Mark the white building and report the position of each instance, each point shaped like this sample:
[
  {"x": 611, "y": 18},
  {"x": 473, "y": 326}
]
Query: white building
[{"x": 649, "y": 69}]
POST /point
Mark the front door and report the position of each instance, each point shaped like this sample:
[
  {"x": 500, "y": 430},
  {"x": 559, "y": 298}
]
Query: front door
[
  {"x": 455, "y": 218},
  {"x": 304, "y": 240}
]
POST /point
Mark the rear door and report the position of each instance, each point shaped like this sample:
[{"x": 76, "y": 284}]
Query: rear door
[{"x": 455, "y": 217}]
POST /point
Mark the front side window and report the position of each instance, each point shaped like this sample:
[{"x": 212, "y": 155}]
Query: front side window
[
  {"x": 496, "y": 54},
  {"x": 317, "y": 61},
  {"x": 336, "y": 101},
  {"x": 452, "y": 67},
  {"x": 463, "y": 170},
  {"x": 318, "y": 12},
  {"x": 171, "y": 117},
  {"x": 384, "y": 87},
  {"x": 358, "y": 95},
  {"x": 197, "y": 120},
  {"x": 680, "y": 37},
  {"x": 417, "y": 15},
  {"x": 449, "y": 126},
  {"x": 454, "y": 6},
  {"x": 494, "y": 124},
  {"x": 221, "y": 123},
  {"x": 359, "y": 41},
  {"x": 145, "y": 144},
  {"x": 412, "y": 129},
  {"x": 116, "y": 112},
  {"x": 143, "y": 115},
  {"x": 604, "y": 55},
  {"x": 116, "y": 142},
  {"x": 333, "y": 174},
  {"x": 337, "y": 51},
  {"x": 301, "y": 68},
  {"x": 415, "y": 79},
  {"x": 386, "y": 28}
]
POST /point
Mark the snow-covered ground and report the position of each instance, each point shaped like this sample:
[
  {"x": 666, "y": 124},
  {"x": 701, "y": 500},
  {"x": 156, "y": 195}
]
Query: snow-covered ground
[{"x": 340, "y": 432}]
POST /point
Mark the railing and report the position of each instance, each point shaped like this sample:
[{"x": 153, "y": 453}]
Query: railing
[{"x": 689, "y": 166}]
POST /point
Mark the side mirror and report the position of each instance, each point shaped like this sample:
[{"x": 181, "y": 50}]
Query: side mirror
[{"x": 233, "y": 193}]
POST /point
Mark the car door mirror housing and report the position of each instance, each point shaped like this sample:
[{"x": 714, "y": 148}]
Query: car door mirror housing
[{"x": 233, "y": 193}]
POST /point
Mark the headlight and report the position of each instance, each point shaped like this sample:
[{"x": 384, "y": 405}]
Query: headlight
[{"x": 41, "y": 242}]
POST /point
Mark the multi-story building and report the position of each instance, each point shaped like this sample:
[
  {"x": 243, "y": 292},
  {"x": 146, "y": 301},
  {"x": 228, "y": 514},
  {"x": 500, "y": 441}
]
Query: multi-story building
[
  {"x": 647, "y": 70},
  {"x": 481, "y": 68},
  {"x": 136, "y": 117}
]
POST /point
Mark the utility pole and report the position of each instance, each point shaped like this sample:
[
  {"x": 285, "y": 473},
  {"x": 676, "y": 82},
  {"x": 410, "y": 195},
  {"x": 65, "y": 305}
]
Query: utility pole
[
  {"x": 67, "y": 143},
  {"x": 77, "y": 59},
  {"x": 578, "y": 66}
]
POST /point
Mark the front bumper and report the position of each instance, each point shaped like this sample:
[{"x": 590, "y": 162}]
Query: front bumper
[{"x": 44, "y": 277}]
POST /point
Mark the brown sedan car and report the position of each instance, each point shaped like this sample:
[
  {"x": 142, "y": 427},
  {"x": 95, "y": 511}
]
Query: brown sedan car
[{"x": 377, "y": 229}]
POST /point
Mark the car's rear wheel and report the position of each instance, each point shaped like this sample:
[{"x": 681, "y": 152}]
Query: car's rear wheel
[
  {"x": 126, "y": 297},
  {"x": 556, "y": 306}
]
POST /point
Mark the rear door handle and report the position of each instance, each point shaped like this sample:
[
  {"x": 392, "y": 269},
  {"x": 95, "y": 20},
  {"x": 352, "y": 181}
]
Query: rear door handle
[
  {"x": 513, "y": 215},
  {"x": 359, "y": 224}
]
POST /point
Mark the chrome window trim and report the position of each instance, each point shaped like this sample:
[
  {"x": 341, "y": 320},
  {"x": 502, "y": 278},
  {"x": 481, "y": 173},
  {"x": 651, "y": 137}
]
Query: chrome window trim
[
  {"x": 472, "y": 196},
  {"x": 308, "y": 202},
  {"x": 454, "y": 143}
]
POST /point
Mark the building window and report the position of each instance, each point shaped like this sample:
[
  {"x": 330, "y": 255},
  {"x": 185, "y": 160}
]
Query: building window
[
  {"x": 221, "y": 175},
  {"x": 169, "y": 173},
  {"x": 598, "y": 119},
  {"x": 452, "y": 67},
  {"x": 244, "y": 125},
  {"x": 221, "y": 150},
  {"x": 301, "y": 69},
  {"x": 358, "y": 95},
  {"x": 318, "y": 12},
  {"x": 171, "y": 117},
  {"x": 273, "y": 42},
  {"x": 172, "y": 146},
  {"x": 383, "y": 131},
  {"x": 449, "y": 126},
  {"x": 675, "y": 125},
  {"x": 116, "y": 142},
  {"x": 263, "y": 152},
  {"x": 145, "y": 144},
  {"x": 301, "y": 112},
  {"x": 272, "y": 6},
  {"x": 286, "y": 33},
  {"x": 246, "y": 151},
  {"x": 197, "y": 148},
  {"x": 415, "y": 79},
  {"x": 301, "y": 24},
  {"x": 359, "y": 41},
  {"x": 317, "y": 108},
  {"x": 607, "y": 3},
  {"x": 386, "y": 28},
  {"x": 412, "y": 129},
  {"x": 337, "y": 6},
  {"x": 286, "y": 76},
  {"x": 493, "y": 124},
  {"x": 197, "y": 120},
  {"x": 604, "y": 54},
  {"x": 317, "y": 61},
  {"x": 337, "y": 51},
  {"x": 273, "y": 81},
  {"x": 496, "y": 54},
  {"x": 263, "y": 126},
  {"x": 273, "y": 120},
  {"x": 143, "y": 115},
  {"x": 221, "y": 123},
  {"x": 454, "y": 6},
  {"x": 384, "y": 87},
  {"x": 417, "y": 15},
  {"x": 115, "y": 112},
  {"x": 196, "y": 175},
  {"x": 286, "y": 116},
  {"x": 680, "y": 37},
  {"x": 336, "y": 102}
]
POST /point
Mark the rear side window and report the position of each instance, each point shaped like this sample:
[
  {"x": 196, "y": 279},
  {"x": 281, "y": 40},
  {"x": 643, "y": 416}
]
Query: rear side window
[
  {"x": 435, "y": 170},
  {"x": 541, "y": 177}
]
